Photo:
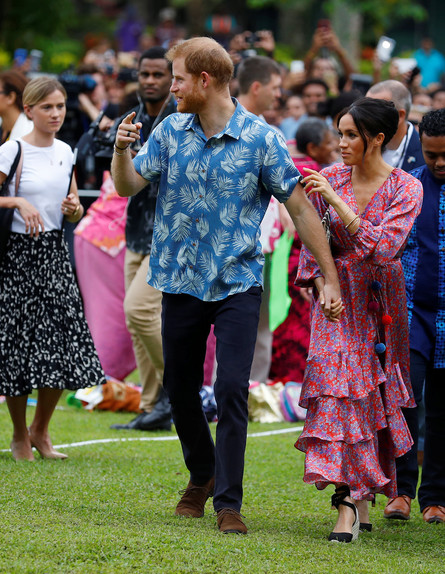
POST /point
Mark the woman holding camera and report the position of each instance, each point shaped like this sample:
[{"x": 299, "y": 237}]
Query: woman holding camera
[{"x": 45, "y": 343}]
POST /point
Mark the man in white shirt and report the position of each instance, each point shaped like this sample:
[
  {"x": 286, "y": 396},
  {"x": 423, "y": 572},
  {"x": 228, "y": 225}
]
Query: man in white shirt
[{"x": 404, "y": 150}]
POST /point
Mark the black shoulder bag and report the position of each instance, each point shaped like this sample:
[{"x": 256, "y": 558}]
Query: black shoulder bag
[{"x": 6, "y": 213}]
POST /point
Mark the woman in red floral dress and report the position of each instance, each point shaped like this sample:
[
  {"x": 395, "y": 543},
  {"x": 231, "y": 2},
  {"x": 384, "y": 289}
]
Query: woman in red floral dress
[{"x": 357, "y": 375}]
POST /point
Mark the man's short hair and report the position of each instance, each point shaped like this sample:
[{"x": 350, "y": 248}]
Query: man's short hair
[
  {"x": 202, "y": 54},
  {"x": 433, "y": 123},
  {"x": 256, "y": 69},
  {"x": 153, "y": 53},
  {"x": 313, "y": 82},
  {"x": 312, "y": 130},
  {"x": 400, "y": 94}
]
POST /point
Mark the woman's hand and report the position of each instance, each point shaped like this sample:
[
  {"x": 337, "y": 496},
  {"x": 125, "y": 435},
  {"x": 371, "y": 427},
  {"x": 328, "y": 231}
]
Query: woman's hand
[
  {"x": 71, "y": 207},
  {"x": 317, "y": 183},
  {"x": 31, "y": 217},
  {"x": 127, "y": 132}
]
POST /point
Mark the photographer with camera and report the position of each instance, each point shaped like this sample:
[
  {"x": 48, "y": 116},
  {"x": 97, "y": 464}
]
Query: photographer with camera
[
  {"x": 247, "y": 44},
  {"x": 87, "y": 99},
  {"x": 142, "y": 304}
]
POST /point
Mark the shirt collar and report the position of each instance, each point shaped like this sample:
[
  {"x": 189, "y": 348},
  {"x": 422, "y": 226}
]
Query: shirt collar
[{"x": 233, "y": 128}]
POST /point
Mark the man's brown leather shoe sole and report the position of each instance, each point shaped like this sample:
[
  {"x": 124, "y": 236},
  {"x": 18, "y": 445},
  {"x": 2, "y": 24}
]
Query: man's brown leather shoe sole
[
  {"x": 434, "y": 514},
  {"x": 399, "y": 507}
]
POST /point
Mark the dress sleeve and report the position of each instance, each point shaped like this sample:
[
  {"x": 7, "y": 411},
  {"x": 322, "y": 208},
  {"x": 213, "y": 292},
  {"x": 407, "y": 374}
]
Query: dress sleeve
[{"x": 384, "y": 241}]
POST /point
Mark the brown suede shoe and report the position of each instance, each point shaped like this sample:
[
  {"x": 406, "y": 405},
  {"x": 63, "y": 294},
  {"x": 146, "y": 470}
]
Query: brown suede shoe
[
  {"x": 399, "y": 507},
  {"x": 434, "y": 514},
  {"x": 230, "y": 521},
  {"x": 194, "y": 498}
]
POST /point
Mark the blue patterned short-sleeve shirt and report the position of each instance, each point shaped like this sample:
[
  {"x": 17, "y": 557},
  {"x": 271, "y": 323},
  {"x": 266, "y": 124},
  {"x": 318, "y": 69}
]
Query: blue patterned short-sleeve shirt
[{"x": 213, "y": 194}]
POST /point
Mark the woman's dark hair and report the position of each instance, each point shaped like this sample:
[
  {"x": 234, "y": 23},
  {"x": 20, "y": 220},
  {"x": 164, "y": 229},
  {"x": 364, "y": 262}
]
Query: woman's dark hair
[
  {"x": 14, "y": 81},
  {"x": 372, "y": 117}
]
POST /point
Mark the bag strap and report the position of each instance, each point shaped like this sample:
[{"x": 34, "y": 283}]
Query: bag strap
[
  {"x": 18, "y": 172},
  {"x": 18, "y": 159},
  {"x": 326, "y": 223}
]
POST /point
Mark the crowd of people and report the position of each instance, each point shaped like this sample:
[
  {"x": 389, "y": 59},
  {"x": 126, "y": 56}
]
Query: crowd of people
[{"x": 205, "y": 152}]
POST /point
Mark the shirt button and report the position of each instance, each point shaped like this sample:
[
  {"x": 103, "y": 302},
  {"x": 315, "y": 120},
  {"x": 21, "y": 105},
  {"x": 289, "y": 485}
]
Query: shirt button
[
  {"x": 191, "y": 266},
  {"x": 194, "y": 244},
  {"x": 196, "y": 220},
  {"x": 203, "y": 170},
  {"x": 200, "y": 195}
]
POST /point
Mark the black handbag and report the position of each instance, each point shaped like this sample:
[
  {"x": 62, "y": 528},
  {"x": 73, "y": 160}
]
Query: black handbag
[{"x": 7, "y": 213}]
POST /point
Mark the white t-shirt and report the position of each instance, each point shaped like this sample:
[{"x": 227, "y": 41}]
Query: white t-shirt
[
  {"x": 43, "y": 182},
  {"x": 395, "y": 157}
]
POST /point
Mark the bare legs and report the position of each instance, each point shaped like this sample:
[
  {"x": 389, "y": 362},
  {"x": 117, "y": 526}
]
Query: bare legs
[
  {"x": 21, "y": 443},
  {"x": 347, "y": 526},
  {"x": 37, "y": 435},
  {"x": 363, "y": 510},
  {"x": 346, "y": 515}
]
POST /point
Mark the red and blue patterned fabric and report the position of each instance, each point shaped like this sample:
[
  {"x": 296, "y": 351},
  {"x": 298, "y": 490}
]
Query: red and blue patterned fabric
[{"x": 353, "y": 391}]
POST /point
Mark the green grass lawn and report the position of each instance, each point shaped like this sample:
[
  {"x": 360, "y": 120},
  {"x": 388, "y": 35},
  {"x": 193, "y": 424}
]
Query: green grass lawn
[{"x": 109, "y": 509}]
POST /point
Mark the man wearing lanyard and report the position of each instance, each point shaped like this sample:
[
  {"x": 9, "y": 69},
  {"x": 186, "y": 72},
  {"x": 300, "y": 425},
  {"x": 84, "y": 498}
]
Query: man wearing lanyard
[
  {"x": 142, "y": 302},
  {"x": 404, "y": 150}
]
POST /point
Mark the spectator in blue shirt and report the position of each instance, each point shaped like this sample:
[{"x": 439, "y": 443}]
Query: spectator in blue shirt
[
  {"x": 217, "y": 166},
  {"x": 431, "y": 63},
  {"x": 424, "y": 268}
]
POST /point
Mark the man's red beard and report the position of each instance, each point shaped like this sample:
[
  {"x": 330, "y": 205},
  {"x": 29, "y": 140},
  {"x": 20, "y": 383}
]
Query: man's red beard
[{"x": 192, "y": 103}]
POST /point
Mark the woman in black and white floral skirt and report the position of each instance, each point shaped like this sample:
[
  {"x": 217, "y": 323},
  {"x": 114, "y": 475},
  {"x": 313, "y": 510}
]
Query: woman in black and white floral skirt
[{"x": 45, "y": 343}]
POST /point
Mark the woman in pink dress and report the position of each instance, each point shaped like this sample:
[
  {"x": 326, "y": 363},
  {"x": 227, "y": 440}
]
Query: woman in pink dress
[{"x": 357, "y": 375}]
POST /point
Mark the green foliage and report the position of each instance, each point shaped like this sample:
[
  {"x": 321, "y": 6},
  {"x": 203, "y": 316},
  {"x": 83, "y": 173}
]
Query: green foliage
[
  {"x": 380, "y": 15},
  {"x": 108, "y": 509},
  {"x": 5, "y": 59},
  {"x": 56, "y": 27},
  {"x": 282, "y": 3},
  {"x": 284, "y": 53},
  {"x": 27, "y": 22}
]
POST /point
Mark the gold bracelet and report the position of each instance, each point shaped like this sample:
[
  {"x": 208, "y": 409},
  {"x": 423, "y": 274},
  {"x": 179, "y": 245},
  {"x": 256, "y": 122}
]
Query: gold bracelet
[
  {"x": 352, "y": 221},
  {"x": 117, "y": 153},
  {"x": 347, "y": 213}
]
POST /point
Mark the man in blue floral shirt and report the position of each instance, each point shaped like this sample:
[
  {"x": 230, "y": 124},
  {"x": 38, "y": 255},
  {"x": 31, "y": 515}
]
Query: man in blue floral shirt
[
  {"x": 424, "y": 267},
  {"x": 217, "y": 166}
]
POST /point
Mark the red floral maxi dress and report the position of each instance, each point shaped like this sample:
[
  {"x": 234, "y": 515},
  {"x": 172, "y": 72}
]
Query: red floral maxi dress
[{"x": 353, "y": 391}]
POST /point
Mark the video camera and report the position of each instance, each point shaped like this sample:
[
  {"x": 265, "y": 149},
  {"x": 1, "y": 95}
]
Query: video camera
[{"x": 76, "y": 84}]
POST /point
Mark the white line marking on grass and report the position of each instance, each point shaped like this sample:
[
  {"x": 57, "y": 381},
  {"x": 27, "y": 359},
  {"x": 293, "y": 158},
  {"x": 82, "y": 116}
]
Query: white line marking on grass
[{"x": 161, "y": 438}]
